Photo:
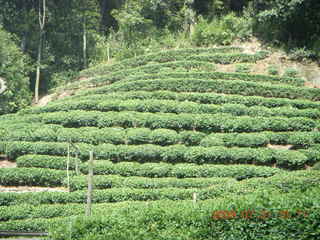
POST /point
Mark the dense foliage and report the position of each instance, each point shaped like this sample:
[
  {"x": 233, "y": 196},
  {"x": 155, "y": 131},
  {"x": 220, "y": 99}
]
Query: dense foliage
[{"x": 14, "y": 69}]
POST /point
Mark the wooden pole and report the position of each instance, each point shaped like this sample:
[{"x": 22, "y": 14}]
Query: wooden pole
[
  {"x": 68, "y": 166},
  {"x": 77, "y": 165},
  {"x": 90, "y": 186},
  {"x": 194, "y": 197}
]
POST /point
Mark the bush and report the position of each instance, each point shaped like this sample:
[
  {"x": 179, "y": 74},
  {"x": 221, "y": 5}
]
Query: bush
[
  {"x": 205, "y": 98},
  {"x": 243, "y": 68},
  {"x": 31, "y": 177},
  {"x": 46, "y": 161},
  {"x": 184, "y": 221},
  {"x": 221, "y": 31},
  {"x": 171, "y": 154},
  {"x": 303, "y": 180},
  {"x": 14, "y": 70},
  {"x": 218, "y": 86},
  {"x": 273, "y": 70},
  {"x": 316, "y": 166},
  {"x": 115, "y": 181},
  {"x": 181, "y": 170},
  {"x": 291, "y": 72}
]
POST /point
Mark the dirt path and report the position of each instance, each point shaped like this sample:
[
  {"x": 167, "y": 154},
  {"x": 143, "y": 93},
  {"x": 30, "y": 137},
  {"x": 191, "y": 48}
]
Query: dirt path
[{"x": 24, "y": 189}]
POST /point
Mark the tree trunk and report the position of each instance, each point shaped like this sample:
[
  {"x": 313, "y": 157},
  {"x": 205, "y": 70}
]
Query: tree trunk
[
  {"x": 37, "y": 85},
  {"x": 42, "y": 18},
  {"x": 85, "y": 64}
]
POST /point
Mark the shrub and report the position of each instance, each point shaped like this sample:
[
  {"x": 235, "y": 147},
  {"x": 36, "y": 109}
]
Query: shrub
[
  {"x": 181, "y": 170},
  {"x": 243, "y": 68},
  {"x": 14, "y": 70},
  {"x": 46, "y": 161},
  {"x": 31, "y": 177},
  {"x": 273, "y": 70},
  {"x": 291, "y": 72},
  {"x": 115, "y": 181}
]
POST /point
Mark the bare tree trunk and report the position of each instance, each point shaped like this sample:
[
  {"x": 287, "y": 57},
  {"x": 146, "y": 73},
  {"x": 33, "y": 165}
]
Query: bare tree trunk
[
  {"x": 85, "y": 64},
  {"x": 42, "y": 18},
  {"x": 37, "y": 85},
  {"x": 90, "y": 186}
]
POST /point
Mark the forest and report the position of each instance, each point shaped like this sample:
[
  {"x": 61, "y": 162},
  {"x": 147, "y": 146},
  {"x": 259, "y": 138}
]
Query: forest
[{"x": 45, "y": 43}]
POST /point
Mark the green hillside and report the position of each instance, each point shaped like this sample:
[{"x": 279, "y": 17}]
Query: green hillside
[{"x": 175, "y": 139}]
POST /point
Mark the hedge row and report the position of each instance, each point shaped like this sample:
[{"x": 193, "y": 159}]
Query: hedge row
[
  {"x": 160, "y": 57},
  {"x": 47, "y": 161},
  {"x": 200, "y": 122},
  {"x": 229, "y": 58},
  {"x": 116, "y": 181},
  {"x": 282, "y": 183},
  {"x": 28, "y": 211},
  {"x": 297, "y": 139},
  {"x": 182, "y": 220},
  {"x": 149, "y": 72},
  {"x": 210, "y": 76},
  {"x": 217, "y": 86},
  {"x": 185, "y": 221},
  {"x": 204, "y": 98},
  {"x": 155, "y": 170},
  {"x": 163, "y": 137},
  {"x": 181, "y": 170},
  {"x": 172, "y": 106},
  {"x": 31, "y": 177},
  {"x": 93, "y": 135},
  {"x": 172, "y": 154}
]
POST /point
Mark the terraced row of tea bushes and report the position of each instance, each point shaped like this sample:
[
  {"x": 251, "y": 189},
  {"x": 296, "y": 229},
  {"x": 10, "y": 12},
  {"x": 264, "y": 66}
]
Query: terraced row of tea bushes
[
  {"x": 148, "y": 72},
  {"x": 211, "y": 76},
  {"x": 172, "y": 154},
  {"x": 28, "y": 211},
  {"x": 163, "y": 137},
  {"x": 115, "y": 181},
  {"x": 160, "y": 57},
  {"x": 217, "y": 86},
  {"x": 204, "y": 98},
  {"x": 200, "y": 122},
  {"x": 186, "y": 221},
  {"x": 281, "y": 183},
  {"x": 171, "y": 106},
  {"x": 156, "y": 170},
  {"x": 229, "y": 58},
  {"x": 32, "y": 177},
  {"x": 297, "y": 139},
  {"x": 47, "y": 161}
]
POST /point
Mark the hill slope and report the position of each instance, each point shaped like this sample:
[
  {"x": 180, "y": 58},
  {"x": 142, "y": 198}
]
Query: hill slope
[{"x": 167, "y": 127}]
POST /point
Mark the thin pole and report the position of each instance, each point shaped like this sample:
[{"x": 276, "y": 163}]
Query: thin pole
[
  {"x": 90, "y": 186},
  {"x": 68, "y": 166}
]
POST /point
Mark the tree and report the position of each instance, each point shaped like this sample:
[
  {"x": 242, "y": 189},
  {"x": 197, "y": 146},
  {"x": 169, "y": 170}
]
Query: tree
[
  {"x": 14, "y": 70},
  {"x": 42, "y": 21}
]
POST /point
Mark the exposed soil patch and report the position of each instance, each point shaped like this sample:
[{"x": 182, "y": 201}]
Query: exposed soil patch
[
  {"x": 279, "y": 147},
  {"x": 7, "y": 164},
  {"x": 23, "y": 189}
]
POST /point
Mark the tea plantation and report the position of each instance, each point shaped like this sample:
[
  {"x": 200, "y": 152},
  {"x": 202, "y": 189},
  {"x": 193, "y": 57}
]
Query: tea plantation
[{"x": 182, "y": 151}]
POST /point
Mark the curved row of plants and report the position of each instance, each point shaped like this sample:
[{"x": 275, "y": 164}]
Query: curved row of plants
[
  {"x": 172, "y": 154},
  {"x": 115, "y": 181},
  {"x": 156, "y": 170},
  {"x": 281, "y": 183},
  {"x": 172, "y": 106},
  {"x": 200, "y": 122},
  {"x": 204, "y": 98},
  {"x": 160, "y": 57},
  {"x": 186, "y": 220},
  {"x": 163, "y": 137},
  {"x": 32, "y": 177},
  {"x": 244, "y": 88}
]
